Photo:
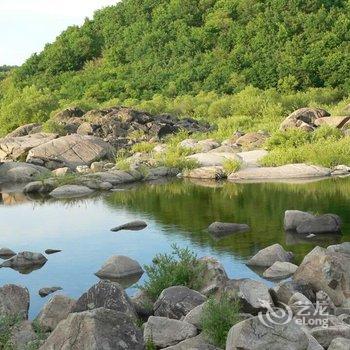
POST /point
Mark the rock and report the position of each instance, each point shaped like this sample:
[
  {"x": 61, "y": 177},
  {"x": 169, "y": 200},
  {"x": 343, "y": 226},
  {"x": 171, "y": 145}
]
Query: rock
[
  {"x": 252, "y": 158},
  {"x": 71, "y": 151},
  {"x": 136, "y": 225},
  {"x": 119, "y": 267},
  {"x": 283, "y": 291},
  {"x": 62, "y": 171},
  {"x": 161, "y": 148},
  {"x": 213, "y": 275},
  {"x": 293, "y": 218},
  {"x": 176, "y": 302},
  {"x": 328, "y": 271},
  {"x": 252, "y": 334},
  {"x": 54, "y": 311},
  {"x": 251, "y": 140},
  {"x": 68, "y": 113},
  {"x": 325, "y": 335},
  {"x": 336, "y": 122},
  {"x": 21, "y": 335},
  {"x": 52, "y": 251},
  {"x": 142, "y": 304},
  {"x": 212, "y": 159},
  {"x": 97, "y": 166},
  {"x": 280, "y": 270},
  {"x": 304, "y": 119},
  {"x": 164, "y": 332},
  {"x": 222, "y": 229},
  {"x": 343, "y": 248},
  {"x": 195, "y": 316},
  {"x": 341, "y": 170},
  {"x": 83, "y": 169},
  {"x": 339, "y": 344},
  {"x": 16, "y": 148},
  {"x": 71, "y": 191},
  {"x": 105, "y": 186},
  {"x": 41, "y": 187},
  {"x": 14, "y": 301},
  {"x": 6, "y": 253},
  {"x": 44, "y": 292},
  {"x": 327, "y": 223},
  {"x": 254, "y": 296},
  {"x": 117, "y": 177},
  {"x": 284, "y": 172},
  {"x": 25, "y": 261},
  {"x": 207, "y": 145},
  {"x": 226, "y": 149},
  {"x": 11, "y": 172},
  {"x": 159, "y": 172},
  {"x": 208, "y": 172},
  {"x": 268, "y": 256},
  {"x": 196, "y": 343},
  {"x": 24, "y": 130},
  {"x": 105, "y": 294},
  {"x": 189, "y": 144},
  {"x": 96, "y": 329}
]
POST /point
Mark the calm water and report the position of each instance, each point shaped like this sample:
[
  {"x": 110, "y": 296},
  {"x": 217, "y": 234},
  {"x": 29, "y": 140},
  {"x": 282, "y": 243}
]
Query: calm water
[{"x": 177, "y": 212}]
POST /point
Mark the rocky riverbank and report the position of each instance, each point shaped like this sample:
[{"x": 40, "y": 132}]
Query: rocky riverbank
[{"x": 310, "y": 311}]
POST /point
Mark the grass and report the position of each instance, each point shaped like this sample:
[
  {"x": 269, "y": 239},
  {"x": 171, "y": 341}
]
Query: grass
[
  {"x": 218, "y": 317},
  {"x": 181, "y": 267},
  {"x": 231, "y": 166},
  {"x": 6, "y": 323},
  {"x": 51, "y": 126},
  {"x": 143, "y": 147}
]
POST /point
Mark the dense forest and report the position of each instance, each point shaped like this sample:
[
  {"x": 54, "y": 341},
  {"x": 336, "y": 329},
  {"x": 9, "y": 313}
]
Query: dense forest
[{"x": 141, "y": 48}]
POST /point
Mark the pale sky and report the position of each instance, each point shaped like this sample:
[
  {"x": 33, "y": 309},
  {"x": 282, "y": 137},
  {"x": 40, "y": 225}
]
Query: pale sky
[{"x": 27, "y": 25}]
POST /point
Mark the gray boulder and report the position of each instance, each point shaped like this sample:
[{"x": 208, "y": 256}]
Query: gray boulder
[
  {"x": 54, "y": 311},
  {"x": 195, "y": 316},
  {"x": 212, "y": 158},
  {"x": 268, "y": 256},
  {"x": 14, "y": 301},
  {"x": 176, "y": 302},
  {"x": 42, "y": 187},
  {"x": 328, "y": 223},
  {"x": 24, "y": 130},
  {"x": 71, "y": 191},
  {"x": 164, "y": 332},
  {"x": 24, "y": 261},
  {"x": 94, "y": 330},
  {"x": 343, "y": 248},
  {"x": 44, "y": 292},
  {"x": 20, "y": 172},
  {"x": 136, "y": 225},
  {"x": 325, "y": 335},
  {"x": 70, "y": 151},
  {"x": 222, "y": 229},
  {"x": 143, "y": 304},
  {"x": 207, "y": 172},
  {"x": 198, "y": 342},
  {"x": 21, "y": 335},
  {"x": 109, "y": 295},
  {"x": 280, "y": 270},
  {"x": 119, "y": 267},
  {"x": 6, "y": 253},
  {"x": 252, "y": 334},
  {"x": 340, "y": 344},
  {"x": 293, "y": 218}
]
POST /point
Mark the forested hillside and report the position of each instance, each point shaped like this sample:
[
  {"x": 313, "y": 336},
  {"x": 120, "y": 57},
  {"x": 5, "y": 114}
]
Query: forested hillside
[{"x": 139, "y": 48}]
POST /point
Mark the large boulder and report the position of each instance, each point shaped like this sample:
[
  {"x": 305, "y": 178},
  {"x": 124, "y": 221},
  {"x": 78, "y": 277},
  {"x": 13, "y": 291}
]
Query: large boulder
[
  {"x": 25, "y": 130},
  {"x": 54, "y": 311},
  {"x": 326, "y": 335},
  {"x": 176, "y": 302},
  {"x": 17, "y": 147},
  {"x": 252, "y": 158},
  {"x": 252, "y": 334},
  {"x": 283, "y": 172},
  {"x": 268, "y": 256},
  {"x": 327, "y": 223},
  {"x": 304, "y": 119},
  {"x": 280, "y": 270},
  {"x": 109, "y": 295},
  {"x": 71, "y": 191},
  {"x": 336, "y": 122},
  {"x": 94, "y": 330},
  {"x": 20, "y": 172},
  {"x": 293, "y": 218},
  {"x": 22, "y": 334},
  {"x": 212, "y": 158},
  {"x": 14, "y": 301},
  {"x": 164, "y": 332},
  {"x": 328, "y": 271},
  {"x": 70, "y": 151},
  {"x": 195, "y": 316},
  {"x": 119, "y": 267},
  {"x": 222, "y": 229},
  {"x": 25, "y": 261}
]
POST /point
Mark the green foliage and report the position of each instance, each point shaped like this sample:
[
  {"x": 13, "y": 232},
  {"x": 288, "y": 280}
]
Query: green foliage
[
  {"x": 231, "y": 166},
  {"x": 143, "y": 147},
  {"x": 176, "y": 157},
  {"x": 181, "y": 267},
  {"x": 51, "y": 126},
  {"x": 6, "y": 323},
  {"x": 288, "y": 139},
  {"x": 218, "y": 317}
]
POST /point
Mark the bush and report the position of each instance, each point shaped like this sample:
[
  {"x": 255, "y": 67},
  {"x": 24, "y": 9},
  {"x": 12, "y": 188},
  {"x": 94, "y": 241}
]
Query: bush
[
  {"x": 181, "y": 267},
  {"x": 288, "y": 139},
  {"x": 218, "y": 317}
]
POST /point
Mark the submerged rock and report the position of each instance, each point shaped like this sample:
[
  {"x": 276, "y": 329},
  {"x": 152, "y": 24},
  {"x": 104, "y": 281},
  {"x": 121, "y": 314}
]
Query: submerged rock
[
  {"x": 136, "y": 225},
  {"x": 268, "y": 256},
  {"x": 44, "y": 292},
  {"x": 52, "y": 251},
  {"x": 222, "y": 229},
  {"x": 25, "y": 261},
  {"x": 327, "y": 223},
  {"x": 96, "y": 329}
]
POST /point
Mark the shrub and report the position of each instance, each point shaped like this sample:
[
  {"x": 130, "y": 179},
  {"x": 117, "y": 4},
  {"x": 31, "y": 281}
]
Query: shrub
[
  {"x": 218, "y": 317},
  {"x": 181, "y": 267},
  {"x": 52, "y": 126},
  {"x": 231, "y": 166},
  {"x": 175, "y": 157},
  {"x": 288, "y": 139}
]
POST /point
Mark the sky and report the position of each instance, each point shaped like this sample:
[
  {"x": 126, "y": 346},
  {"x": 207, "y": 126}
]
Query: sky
[{"x": 27, "y": 25}]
